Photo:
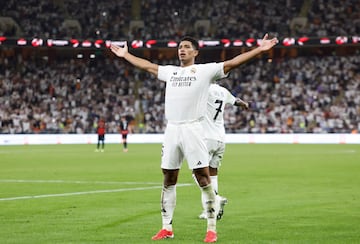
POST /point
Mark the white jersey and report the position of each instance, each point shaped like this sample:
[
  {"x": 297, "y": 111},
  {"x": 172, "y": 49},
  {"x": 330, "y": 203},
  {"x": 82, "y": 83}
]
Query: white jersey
[
  {"x": 214, "y": 120},
  {"x": 187, "y": 89}
]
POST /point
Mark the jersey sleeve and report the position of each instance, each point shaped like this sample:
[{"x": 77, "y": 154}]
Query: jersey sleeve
[
  {"x": 218, "y": 68},
  {"x": 227, "y": 97},
  {"x": 230, "y": 99},
  {"x": 164, "y": 72}
]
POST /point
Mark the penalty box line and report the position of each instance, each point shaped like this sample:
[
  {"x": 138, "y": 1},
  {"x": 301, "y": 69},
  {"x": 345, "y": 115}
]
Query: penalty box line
[
  {"x": 78, "y": 182},
  {"x": 85, "y": 193}
]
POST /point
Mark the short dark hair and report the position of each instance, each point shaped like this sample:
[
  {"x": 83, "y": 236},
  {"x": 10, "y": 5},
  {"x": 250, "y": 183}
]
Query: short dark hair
[{"x": 193, "y": 41}]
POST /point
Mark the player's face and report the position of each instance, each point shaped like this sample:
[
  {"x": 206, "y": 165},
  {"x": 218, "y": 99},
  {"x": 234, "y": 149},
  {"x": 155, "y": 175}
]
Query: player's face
[{"x": 186, "y": 52}]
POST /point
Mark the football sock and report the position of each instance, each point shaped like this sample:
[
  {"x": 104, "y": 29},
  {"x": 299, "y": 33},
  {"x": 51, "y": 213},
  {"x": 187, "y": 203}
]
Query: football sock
[
  {"x": 214, "y": 183},
  {"x": 208, "y": 195},
  {"x": 168, "y": 203},
  {"x": 203, "y": 202}
]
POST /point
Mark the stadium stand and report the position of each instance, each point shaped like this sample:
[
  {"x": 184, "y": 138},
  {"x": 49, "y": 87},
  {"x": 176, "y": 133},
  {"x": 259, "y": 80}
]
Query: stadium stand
[
  {"x": 114, "y": 19},
  {"x": 288, "y": 96}
]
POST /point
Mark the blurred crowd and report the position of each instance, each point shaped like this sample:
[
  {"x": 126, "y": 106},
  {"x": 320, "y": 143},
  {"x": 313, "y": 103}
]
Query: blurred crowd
[
  {"x": 170, "y": 19},
  {"x": 293, "y": 95},
  {"x": 318, "y": 94}
]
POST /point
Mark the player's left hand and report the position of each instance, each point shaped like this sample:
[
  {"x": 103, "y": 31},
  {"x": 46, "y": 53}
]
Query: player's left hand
[
  {"x": 266, "y": 43},
  {"x": 244, "y": 105}
]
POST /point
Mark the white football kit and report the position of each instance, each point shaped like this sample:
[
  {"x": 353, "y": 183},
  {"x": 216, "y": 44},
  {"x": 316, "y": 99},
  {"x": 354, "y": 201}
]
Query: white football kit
[
  {"x": 185, "y": 106},
  {"x": 213, "y": 123}
]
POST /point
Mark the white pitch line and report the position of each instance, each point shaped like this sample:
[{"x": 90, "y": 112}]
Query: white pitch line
[
  {"x": 85, "y": 193},
  {"x": 78, "y": 182}
]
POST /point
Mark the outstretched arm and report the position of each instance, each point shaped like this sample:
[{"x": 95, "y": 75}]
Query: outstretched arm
[
  {"x": 141, "y": 63},
  {"x": 266, "y": 44}
]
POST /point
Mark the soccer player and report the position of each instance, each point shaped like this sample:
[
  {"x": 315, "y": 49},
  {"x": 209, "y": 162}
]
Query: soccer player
[
  {"x": 214, "y": 129},
  {"x": 124, "y": 130},
  {"x": 100, "y": 130},
  {"x": 185, "y": 105}
]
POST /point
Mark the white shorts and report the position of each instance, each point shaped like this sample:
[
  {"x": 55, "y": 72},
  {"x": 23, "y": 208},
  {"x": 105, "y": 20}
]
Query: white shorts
[
  {"x": 216, "y": 151},
  {"x": 184, "y": 141}
]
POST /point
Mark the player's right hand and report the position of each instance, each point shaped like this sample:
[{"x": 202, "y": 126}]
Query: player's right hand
[{"x": 119, "y": 51}]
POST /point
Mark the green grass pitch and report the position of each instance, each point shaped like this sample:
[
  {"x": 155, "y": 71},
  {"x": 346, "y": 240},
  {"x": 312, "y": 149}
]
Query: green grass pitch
[{"x": 281, "y": 193}]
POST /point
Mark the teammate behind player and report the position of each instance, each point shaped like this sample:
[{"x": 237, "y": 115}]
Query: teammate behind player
[{"x": 214, "y": 129}]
